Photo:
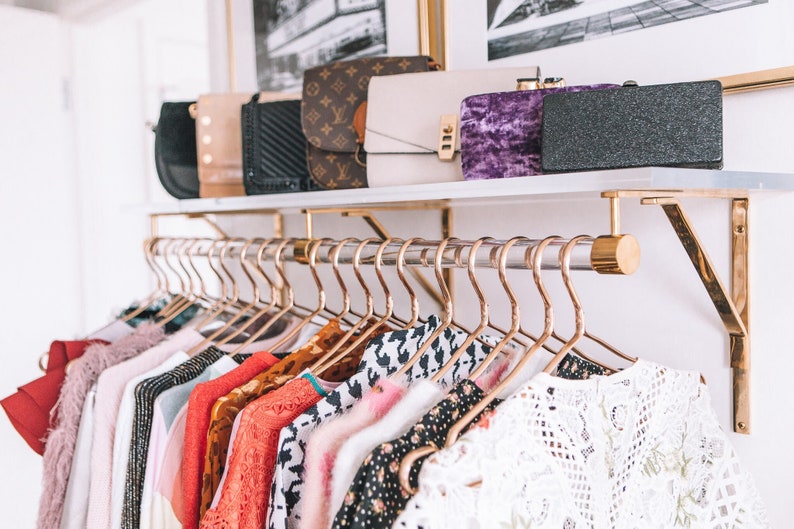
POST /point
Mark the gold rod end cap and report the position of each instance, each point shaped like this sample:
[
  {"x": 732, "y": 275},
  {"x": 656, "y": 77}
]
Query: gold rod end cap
[{"x": 615, "y": 254}]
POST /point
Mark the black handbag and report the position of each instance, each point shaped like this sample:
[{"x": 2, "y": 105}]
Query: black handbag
[
  {"x": 274, "y": 148},
  {"x": 175, "y": 154},
  {"x": 673, "y": 125}
]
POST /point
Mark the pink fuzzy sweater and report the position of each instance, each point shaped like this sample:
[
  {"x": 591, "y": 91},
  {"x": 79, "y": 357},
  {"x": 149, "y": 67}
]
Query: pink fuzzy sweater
[
  {"x": 61, "y": 441},
  {"x": 325, "y": 442}
]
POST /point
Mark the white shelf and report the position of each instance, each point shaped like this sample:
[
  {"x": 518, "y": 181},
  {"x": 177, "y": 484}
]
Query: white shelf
[{"x": 494, "y": 191}]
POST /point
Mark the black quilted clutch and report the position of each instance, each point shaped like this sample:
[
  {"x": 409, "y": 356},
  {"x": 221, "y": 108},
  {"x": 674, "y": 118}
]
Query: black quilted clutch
[
  {"x": 674, "y": 125},
  {"x": 274, "y": 148}
]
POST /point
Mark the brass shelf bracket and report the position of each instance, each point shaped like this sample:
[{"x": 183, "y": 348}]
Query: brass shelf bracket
[
  {"x": 278, "y": 220},
  {"x": 733, "y": 306}
]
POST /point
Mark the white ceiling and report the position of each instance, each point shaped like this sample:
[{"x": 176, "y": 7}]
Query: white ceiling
[
  {"x": 39, "y": 5},
  {"x": 71, "y": 9}
]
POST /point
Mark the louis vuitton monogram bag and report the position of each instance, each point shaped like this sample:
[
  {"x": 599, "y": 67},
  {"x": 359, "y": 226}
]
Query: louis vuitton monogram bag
[{"x": 332, "y": 99}]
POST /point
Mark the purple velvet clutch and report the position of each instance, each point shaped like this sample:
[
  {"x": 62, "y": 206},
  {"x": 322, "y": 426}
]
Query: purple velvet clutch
[{"x": 500, "y": 132}]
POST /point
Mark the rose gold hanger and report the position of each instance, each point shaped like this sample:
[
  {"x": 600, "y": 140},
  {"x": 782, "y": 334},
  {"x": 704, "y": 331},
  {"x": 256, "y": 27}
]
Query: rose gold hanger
[
  {"x": 515, "y": 308},
  {"x": 397, "y": 320},
  {"x": 338, "y": 351},
  {"x": 565, "y": 263},
  {"x": 387, "y": 316},
  {"x": 580, "y": 330},
  {"x": 228, "y": 302},
  {"x": 215, "y": 308},
  {"x": 400, "y": 268},
  {"x": 237, "y": 314},
  {"x": 448, "y": 308},
  {"x": 163, "y": 247},
  {"x": 289, "y": 305},
  {"x": 408, "y": 461},
  {"x": 265, "y": 306},
  {"x": 522, "y": 332},
  {"x": 202, "y": 294},
  {"x": 160, "y": 289},
  {"x": 322, "y": 297},
  {"x": 167, "y": 314},
  {"x": 537, "y": 258},
  {"x": 484, "y": 311},
  {"x": 333, "y": 256},
  {"x": 278, "y": 260}
]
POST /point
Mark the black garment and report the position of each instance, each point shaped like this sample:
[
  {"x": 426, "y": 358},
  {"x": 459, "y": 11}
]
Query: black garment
[
  {"x": 145, "y": 394},
  {"x": 150, "y": 313},
  {"x": 375, "y": 498},
  {"x": 575, "y": 368}
]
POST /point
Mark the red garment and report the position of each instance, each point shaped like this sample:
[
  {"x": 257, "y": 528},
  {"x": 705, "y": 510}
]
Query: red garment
[
  {"x": 31, "y": 407},
  {"x": 246, "y": 489},
  {"x": 197, "y": 423}
]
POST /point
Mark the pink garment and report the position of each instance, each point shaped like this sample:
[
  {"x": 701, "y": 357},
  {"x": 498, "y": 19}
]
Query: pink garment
[
  {"x": 326, "y": 441},
  {"x": 199, "y": 409},
  {"x": 61, "y": 442},
  {"x": 167, "y": 501},
  {"x": 110, "y": 388}
]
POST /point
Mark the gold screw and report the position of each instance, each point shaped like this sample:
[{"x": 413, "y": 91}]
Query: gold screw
[{"x": 742, "y": 425}]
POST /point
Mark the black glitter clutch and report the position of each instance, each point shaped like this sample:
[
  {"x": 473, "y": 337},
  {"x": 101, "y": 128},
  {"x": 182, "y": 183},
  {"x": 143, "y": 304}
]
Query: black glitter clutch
[{"x": 673, "y": 125}]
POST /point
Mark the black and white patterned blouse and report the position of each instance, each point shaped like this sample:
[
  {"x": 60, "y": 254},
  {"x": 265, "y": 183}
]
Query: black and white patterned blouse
[{"x": 384, "y": 355}]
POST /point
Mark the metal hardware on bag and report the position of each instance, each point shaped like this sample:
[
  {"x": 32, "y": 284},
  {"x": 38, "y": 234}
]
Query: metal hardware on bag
[
  {"x": 193, "y": 110},
  {"x": 358, "y": 155},
  {"x": 554, "y": 82},
  {"x": 630, "y": 83},
  {"x": 528, "y": 83},
  {"x": 447, "y": 133},
  {"x": 534, "y": 83}
]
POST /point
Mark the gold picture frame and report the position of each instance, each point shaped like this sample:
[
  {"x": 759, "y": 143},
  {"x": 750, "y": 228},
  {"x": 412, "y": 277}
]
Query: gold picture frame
[
  {"x": 410, "y": 28},
  {"x": 701, "y": 47},
  {"x": 760, "y": 80}
]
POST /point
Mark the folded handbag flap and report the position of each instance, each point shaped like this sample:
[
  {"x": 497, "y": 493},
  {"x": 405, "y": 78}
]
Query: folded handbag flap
[
  {"x": 333, "y": 92},
  {"x": 404, "y": 111},
  {"x": 218, "y": 131}
]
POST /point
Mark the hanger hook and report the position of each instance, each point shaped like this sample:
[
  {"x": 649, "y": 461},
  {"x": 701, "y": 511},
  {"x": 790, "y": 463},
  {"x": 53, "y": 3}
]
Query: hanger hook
[
  {"x": 379, "y": 273},
  {"x": 370, "y": 302},
  {"x": 438, "y": 258},
  {"x": 333, "y": 256},
  {"x": 565, "y": 270},
  {"x": 400, "y": 266}
]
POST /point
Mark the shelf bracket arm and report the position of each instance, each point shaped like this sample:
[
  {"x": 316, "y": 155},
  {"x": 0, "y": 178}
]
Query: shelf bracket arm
[{"x": 733, "y": 309}]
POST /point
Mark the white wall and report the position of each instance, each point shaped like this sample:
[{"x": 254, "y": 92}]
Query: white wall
[
  {"x": 76, "y": 176},
  {"x": 125, "y": 65},
  {"x": 41, "y": 263}
]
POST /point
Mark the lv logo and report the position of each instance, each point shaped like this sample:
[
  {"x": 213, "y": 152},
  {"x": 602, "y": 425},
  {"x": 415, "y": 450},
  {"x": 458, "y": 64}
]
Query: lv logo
[
  {"x": 344, "y": 170},
  {"x": 339, "y": 114}
]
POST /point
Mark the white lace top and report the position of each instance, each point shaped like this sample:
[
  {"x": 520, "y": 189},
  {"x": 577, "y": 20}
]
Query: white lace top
[{"x": 639, "y": 449}]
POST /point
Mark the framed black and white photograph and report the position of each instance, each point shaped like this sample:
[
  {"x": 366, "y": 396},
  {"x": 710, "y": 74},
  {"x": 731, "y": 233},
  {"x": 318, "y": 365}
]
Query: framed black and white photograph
[
  {"x": 291, "y": 36},
  {"x": 649, "y": 41}
]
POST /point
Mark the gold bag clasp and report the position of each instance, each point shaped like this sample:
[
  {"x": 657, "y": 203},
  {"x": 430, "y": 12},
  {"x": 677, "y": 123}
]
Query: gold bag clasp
[{"x": 447, "y": 137}]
